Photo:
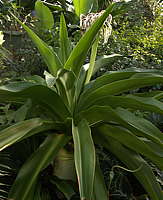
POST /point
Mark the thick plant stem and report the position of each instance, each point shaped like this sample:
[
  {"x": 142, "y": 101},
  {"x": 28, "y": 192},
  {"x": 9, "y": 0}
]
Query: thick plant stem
[{"x": 92, "y": 60}]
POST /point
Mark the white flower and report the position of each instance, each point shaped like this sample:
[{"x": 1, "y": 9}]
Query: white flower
[
  {"x": 1, "y": 38},
  {"x": 87, "y": 20}
]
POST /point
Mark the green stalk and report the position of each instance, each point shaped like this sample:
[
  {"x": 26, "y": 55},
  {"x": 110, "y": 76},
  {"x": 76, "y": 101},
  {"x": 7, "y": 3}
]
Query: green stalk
[{"x": 92, "y": 59}]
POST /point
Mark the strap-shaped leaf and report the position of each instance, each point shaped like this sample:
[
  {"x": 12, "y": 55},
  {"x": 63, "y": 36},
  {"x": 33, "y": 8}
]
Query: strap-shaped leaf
[
  {"x": 46, "y": 126},
  {"x": 84, "y": 154},
  {"x": 38, "y": 93},
  {"x": 141, "y": 124},
  {"x": 99, "y": 190},
  {"x": 121, "y": 86},
  {"x": 104, "y": 80},
  {"x": 14, "y": 133},
  {"x": 156, "y": 148},
  {"x": 133, "y": 161},
  {"x": 129, "y": 101},
  {"x": 134, "y": 143},
  {"x": 65, "y": 44},
  {"x": 50, "y": 57},
  {"x": 137, "y": 125},
  {"x": 112, "y": 76},
  {"x": 24, "y": 184},
  {"x": 44, "y": 15},
  {"x": 79, "y": 53}
]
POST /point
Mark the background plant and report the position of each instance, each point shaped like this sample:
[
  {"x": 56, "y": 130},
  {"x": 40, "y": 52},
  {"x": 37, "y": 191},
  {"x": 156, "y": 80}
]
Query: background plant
[{"x": 137, "y": 36}]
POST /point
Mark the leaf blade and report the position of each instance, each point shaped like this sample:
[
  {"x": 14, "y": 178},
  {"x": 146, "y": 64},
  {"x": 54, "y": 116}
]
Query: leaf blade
[
  {"x": 50, "y": 57},
  {"x": 79, "y": 53},
  {"x": 133, "y": 161},
  {"x": 44, "y": 15},
  {"x": 24, "y": 185},
  {"x": 14, "y": 133},
  {"x": 85, "y": 165}
]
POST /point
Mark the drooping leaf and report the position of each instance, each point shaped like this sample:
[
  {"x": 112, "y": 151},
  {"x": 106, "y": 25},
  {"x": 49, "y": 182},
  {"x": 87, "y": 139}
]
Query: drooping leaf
[
  {"x": 84, "y": 154},
  {"x": 50, "y": 57},
  {"x": 47, "y": 126},
  {"x": 128, "y": 101},
  {"x": 26, "y": 179},
  {"x": 137, "y": 125},
  {"x": 15, "y": 132},
  {"x": 44, "y": 15},
  {"x": 133, "y": 161},
  {"x": 146, "y": 128},
  {"x": 79, "y": 53},
  {"x": 156, "y": 148},
  {"x": 136, "y": 81},
  {"x": 113, "y": 76},
  {"x": 104, "y": 80},
  {"x": 134, "y": 143},
  {"x": 39, "y": 94}
]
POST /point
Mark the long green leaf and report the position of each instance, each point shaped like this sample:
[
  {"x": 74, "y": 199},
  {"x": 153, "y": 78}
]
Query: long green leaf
[
  {"x": 84, "y": 6},
  {"x": 137, "y": 125},
  {"x": 14, "y": 133},
  {"x": 79, "y": 53},
  {"x": 47, "y": 53},
  {"x": 134, "y": 143},
  {"x": 99, "y": 190},
  {"x": 92, "y": 59},
  {"x": 38, "y": 93},
  {"x": 24, "y": 184},
  {"x": 141, "y": 124},
  {"x": 65, "y": 44},
  {"x": 129, "y": 101},
  {"x": 104, "y": 80},
  {"x": 84, "y": 153},
  {"x": 133, "y": 161},
  {"x": 121, "y": 86},
  {"x": 113, "y": 76},
  {"x": 156, "y": 148},
  {"x": 47, "y": 126},
  {"x": 44, "y": 15}
]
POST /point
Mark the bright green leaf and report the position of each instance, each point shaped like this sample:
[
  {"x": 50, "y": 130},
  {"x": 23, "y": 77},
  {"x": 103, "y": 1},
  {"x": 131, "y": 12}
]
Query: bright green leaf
[
  {"x": 65, "y": 44},
  {"x": 44, "y": 15},
  {"x": 84, "y": 6}
]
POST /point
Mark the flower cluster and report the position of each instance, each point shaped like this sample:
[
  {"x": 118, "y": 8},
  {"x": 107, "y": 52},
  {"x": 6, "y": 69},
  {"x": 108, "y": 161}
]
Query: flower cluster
[{"x": 87, "y": 20}]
